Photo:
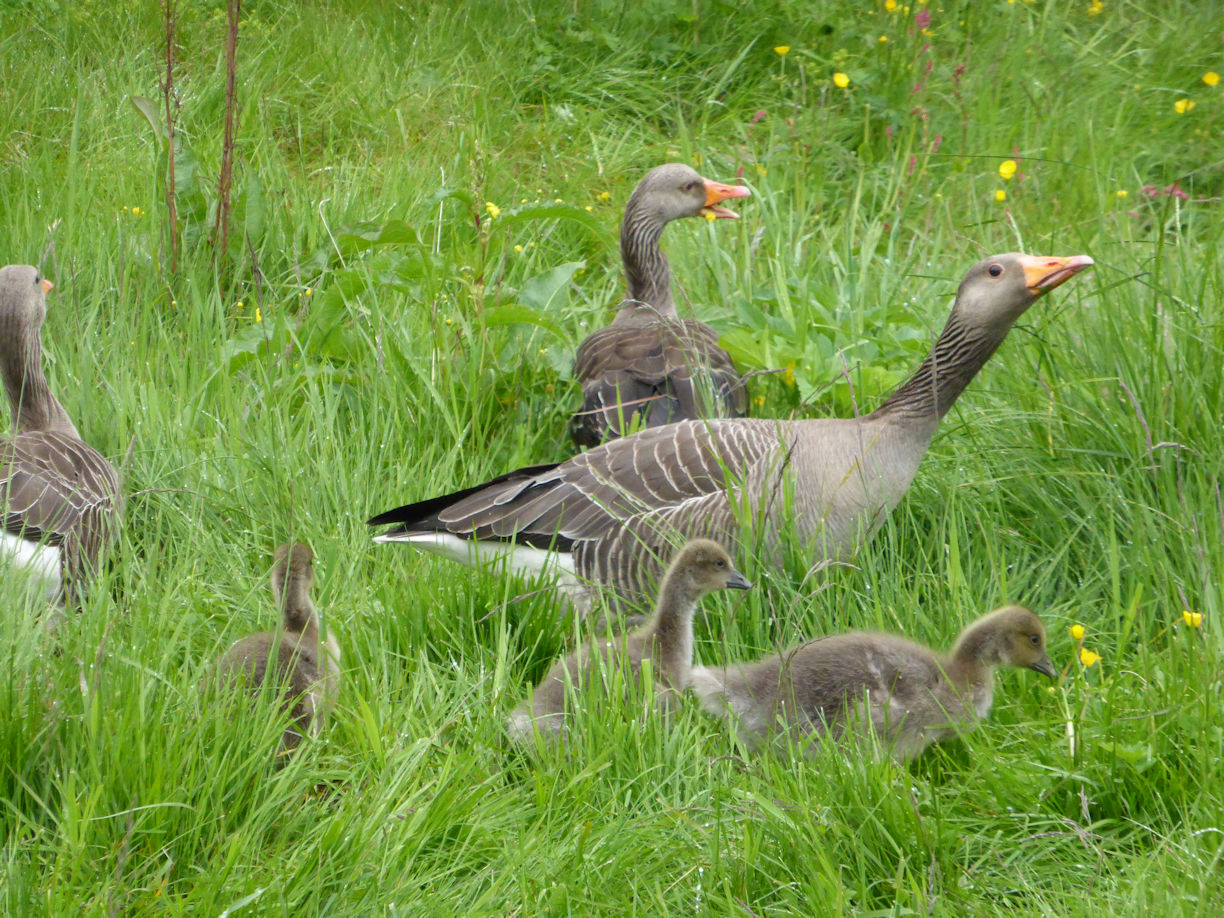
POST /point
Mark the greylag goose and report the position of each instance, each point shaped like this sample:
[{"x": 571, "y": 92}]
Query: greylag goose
[
  {"x": 61, "y": 498},
  {"x": 666, "y": 641},
  {"x": 605, "y": 518},
  {"x": 306, "y": 668},
  {"x": 881, "y": 684},
  {"x": 650, "y": 367}
]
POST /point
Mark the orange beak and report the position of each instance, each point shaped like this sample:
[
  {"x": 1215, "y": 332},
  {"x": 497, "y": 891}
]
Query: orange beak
[
  {"x": 716, "y": 192},
  {"x": 47, "y": 286},
  {"x": 1041, "y": 275}
]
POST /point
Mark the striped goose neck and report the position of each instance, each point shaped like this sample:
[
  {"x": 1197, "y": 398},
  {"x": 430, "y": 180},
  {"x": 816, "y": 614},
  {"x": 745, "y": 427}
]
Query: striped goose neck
[
  {"x": 959, "y": 353},
  {"x": 647, "y": 274},
  {"x": 34, "y": 408},
  {"x": 672, "y": 624}
]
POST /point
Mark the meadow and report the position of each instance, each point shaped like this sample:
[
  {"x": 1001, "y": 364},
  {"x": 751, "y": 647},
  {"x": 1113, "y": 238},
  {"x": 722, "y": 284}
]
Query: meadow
[{"x": 425, "y": 206}]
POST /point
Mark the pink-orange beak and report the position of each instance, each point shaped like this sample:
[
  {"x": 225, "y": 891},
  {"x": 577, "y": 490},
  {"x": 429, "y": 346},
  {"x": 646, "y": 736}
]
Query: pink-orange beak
[
  {"x": 716, "y": 192},
  {"x": 1043, "y": 274},
  {"x": 47, "y": 286}
]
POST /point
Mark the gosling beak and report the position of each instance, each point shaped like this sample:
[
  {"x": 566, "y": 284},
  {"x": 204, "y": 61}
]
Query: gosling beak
[
  {"x": 47, "y": 286},
  {"x": 738, "y": 581},
  {"x": 1044, "y": 666},
  {"x": 716, "y": 192},
  {"x": 1041, "y": 275}
]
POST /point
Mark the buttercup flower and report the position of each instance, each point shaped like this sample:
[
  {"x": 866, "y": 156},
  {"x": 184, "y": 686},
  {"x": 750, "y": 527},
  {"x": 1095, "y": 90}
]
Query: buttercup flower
[
  {"x": 604, "y": 196},
  {"x": 1077, "y": 632},
  {"x": 1123, "y": 194},
  {"x": 840, "y": 80},
  {"x": 782, "y": 50},
  {"x": 258, "y": 315},
  {"x": 493, "y": 209},
  {"x": 890, "y": 5},
  {"x": 1000, "y": 195},
  {"x": 1096, "y": 8},
  {"x": 1007, "y": 169},
  {"x": 1088, "y": 658},
  {"x": 518, "y": 248},
  {"x": 1181, "y": 106},
  {"x": 1192, "y": 619},
  {"x": 1211, "y": 78}
]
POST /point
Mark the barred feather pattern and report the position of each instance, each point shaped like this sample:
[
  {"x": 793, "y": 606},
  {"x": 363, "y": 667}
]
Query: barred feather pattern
[
  {"x": 58, "y": 489},
  {"x": 650, "y": 375}
]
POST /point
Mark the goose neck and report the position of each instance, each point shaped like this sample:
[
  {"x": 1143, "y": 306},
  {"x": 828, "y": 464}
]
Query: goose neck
[
  {"x": 33, "y": 405},
  {"x": 672, "y": 625},
  {"x": 958, "y": 354},
  {"x": 647, "y": 274}
]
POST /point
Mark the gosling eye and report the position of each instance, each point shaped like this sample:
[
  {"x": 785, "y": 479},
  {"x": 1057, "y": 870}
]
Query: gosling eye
[
  {"x": 994, "y": 270},
  {"x": 720, "y": 563},
  {"x": 1034, "y": 639}
]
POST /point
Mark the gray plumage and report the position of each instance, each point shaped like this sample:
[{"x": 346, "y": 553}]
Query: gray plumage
[
  {"x": 304, "y": 668},
  {"x": 650, "y": 367},
  {"x": 875, "y": 684},
  {"x": 56, "y": 489},
  {"x": 666, "y": 641},
  {"x": 611, "y": 515}
]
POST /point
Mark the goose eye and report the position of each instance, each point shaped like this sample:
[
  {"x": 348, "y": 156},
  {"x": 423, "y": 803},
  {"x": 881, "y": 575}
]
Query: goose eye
[
  {"x": 691, "y": 186},
  {"x": 720, "y": 563},
  {"x": 37, "y": 279},
  {"x": 994, "y": 270},
  {"x": 1034, "y": 639}
]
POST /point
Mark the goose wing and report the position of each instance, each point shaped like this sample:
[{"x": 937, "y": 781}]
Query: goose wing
[
  {"x": 660, "y": 372},
  {"x": 57, "y": 488},
  {"x": 592, "y": 496}
]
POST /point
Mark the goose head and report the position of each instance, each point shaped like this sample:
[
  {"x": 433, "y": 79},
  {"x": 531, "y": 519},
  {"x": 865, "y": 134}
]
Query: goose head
[
  {"x": 23, "y": 297},
  {"x": 673, "y": 191},
  {"x": 997, "y": 290},
  {"x": 703, "y": 566},
  {"x": 1011, "y": 636}
]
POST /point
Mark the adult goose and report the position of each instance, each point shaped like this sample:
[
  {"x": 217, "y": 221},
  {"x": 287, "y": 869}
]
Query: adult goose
[
  {"x": 665, "y": 643},
  {"x": 605, "y": 518},
  {"x": 877, "y": 685},
  {"x": 61, "y": 499},
  {"x": 650, "y": 367},
  {"x": 304, "y": 668}
]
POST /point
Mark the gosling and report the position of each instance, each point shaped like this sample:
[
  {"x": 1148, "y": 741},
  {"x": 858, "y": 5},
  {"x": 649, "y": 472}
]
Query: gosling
[
  {"x": 305, "y": 669},
  {"x": 666, "y": 641},
  {"x": 881, "y": 684}
]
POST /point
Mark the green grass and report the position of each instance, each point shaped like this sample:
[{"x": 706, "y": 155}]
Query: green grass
[{"x": 1080, "y": 474}]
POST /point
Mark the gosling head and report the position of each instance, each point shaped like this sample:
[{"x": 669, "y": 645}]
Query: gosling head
[
  {"x": 1011, "y": 636},
  {"x": 292, "y": 574},
  {"x": 703, "y": 567},
  {"x": 23, "y": 296},
  {"x": 997, "y": 290},
  {"x": 673, "y": 191}
]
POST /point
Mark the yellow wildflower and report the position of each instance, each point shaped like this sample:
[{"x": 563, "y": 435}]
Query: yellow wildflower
[
  {"x": 1077, "y": 632},
  {"x": 1181, "y": 106},
  {"x": 240, "y": 304},
  {"x": 789, "y": 376},
  {"x": 1088, "y": 658},
  {"x": 782, "y": 50},
  {"x": 1211, "y": 78},
  {"x": 1000, "y": 195},
  {"x": 1007, "y": 169},
  {"x": 710, "y": 215},
  {"x": 883, "y": 38},
  {"x": 840, "y": 80},
  {"x": 518, "y": 248},
  {"x": 761, "y": 170},
  {"x": 890, "y": 5},
  {"x": 1096, "y": 8},
  {"x": 258, "y": 315},
  {"x": 604, "y": 196},
  {"x": 309, "y": 291},
  {"x": 1192, "y": 619},
  {"x": 493, "y": 209},
  {"x": 759, "y": 401},
  {"x": 1123, "y": 194}
]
